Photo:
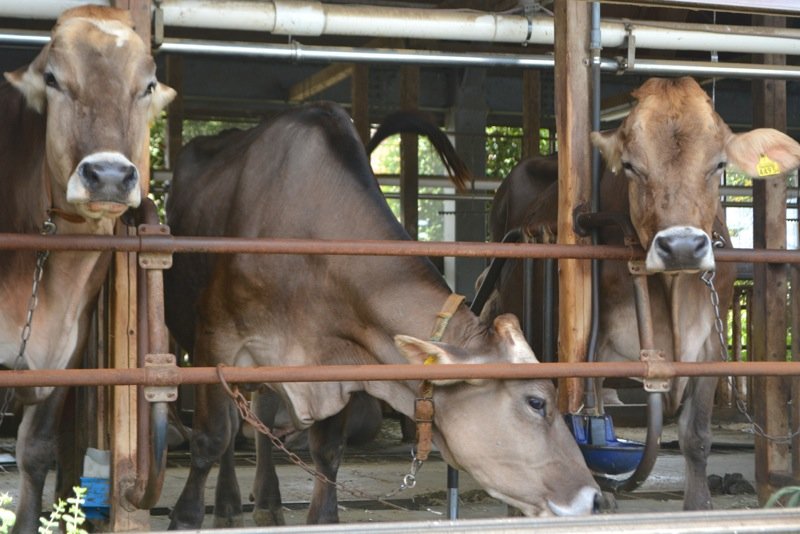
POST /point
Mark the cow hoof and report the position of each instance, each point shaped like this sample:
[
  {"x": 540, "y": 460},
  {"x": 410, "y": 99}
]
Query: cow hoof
[
  {"x": 228, "y": 522},
  {"x": 268, "y": 518}
]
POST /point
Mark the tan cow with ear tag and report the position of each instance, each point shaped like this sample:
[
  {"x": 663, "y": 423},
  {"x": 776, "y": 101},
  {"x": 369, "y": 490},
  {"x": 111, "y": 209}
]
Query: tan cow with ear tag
[
  {"x": 306, "y": 174},
  {"x": 665, "y": 162},
  {"x": 72, "y": 152}
]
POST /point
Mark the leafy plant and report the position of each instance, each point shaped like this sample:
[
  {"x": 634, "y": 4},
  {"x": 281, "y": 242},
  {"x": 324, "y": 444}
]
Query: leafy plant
[{"x": 69, "y": 511}]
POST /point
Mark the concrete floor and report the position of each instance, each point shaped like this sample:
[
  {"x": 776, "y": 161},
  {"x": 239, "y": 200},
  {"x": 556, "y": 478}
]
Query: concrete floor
[{"x": 381, "y": 474}]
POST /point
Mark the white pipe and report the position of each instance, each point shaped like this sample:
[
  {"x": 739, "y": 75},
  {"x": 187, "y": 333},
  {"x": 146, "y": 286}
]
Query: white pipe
[
  {"x": 41, "y": 9},
  {"x": 314, "y": 18}
]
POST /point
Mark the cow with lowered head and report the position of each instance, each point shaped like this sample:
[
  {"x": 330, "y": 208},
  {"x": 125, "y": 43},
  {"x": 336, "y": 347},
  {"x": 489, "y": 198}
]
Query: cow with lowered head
[
  {"x": 72, "y": 151},
  {"x": 664, "y": 165},
  {"x": 305, "y": 174}
]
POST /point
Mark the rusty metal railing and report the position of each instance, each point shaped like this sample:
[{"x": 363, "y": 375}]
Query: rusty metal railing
[{"x": 238, "y": 245}]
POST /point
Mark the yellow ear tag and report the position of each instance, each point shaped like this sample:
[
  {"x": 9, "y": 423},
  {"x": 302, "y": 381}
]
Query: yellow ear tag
[
  {"x": 430, "y": 360},
  {"x": 767, "y": 167}
]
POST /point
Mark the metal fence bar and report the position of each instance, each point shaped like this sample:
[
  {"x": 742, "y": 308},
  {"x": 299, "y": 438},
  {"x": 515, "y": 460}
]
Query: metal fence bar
[
  {"x": 240, "y": 245},
  {"x": 331, "y": 373}
]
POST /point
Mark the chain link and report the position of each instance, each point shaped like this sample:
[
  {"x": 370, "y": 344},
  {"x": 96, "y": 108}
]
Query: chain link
[
  {"x": 242, "y": 404},
  {"x": 48, "y": 228},
  {"x": 708, "y": 279}
]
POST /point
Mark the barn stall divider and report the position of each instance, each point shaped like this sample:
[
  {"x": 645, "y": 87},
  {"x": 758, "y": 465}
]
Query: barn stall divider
[{"x": 158, "y": 374}]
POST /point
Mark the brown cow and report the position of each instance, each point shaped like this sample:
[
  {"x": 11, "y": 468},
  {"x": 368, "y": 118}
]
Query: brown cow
[
  {"x": 306, "y": 175},
  {"x": 75, "y": 130},
  {"x": 666, "y": 159}
]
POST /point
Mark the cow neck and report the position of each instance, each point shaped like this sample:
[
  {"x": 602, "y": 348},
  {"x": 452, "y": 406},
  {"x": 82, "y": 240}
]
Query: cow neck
[
  {"x": 423, "y": 405},
  {"x": 52, "y": 211}
]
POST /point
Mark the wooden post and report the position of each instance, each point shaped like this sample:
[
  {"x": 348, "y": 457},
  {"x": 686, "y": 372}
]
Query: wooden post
[
  {"x": 409, "y": 154},
  {"x": 572, "y": 91},
  {"x": 531, "y": 112},
  {"x": 174, "y": 133},
  {"x": 123, "y": 347},
  {"x": 359, "y": 100},
  {"x": 769, "y": 294}
]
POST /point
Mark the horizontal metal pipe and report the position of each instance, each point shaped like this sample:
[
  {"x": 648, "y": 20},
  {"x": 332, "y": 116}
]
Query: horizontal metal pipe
[
  {"x": 761, "y": 521},
  {"x": 296, "y": 52},
  {"x": 313, "y": 18},
  {"x": 465, "y": 249},
  {"x": 379, "y": 372}
]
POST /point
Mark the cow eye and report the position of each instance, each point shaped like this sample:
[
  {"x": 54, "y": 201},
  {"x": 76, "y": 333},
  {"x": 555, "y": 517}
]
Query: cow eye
[
  {"x": 721, "y": 165},
  {"x": 538, "y": 404},
  {"x": 150, "y": 89},
  {"x": 50, "y": 80},
  {"x": 626, "y": 166}
]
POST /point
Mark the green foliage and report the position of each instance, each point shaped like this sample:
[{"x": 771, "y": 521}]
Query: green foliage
[
  {"x": 7, "y": 517},
  {"x": 69, "y": 511},
  {"x": 788, "y": 497}
]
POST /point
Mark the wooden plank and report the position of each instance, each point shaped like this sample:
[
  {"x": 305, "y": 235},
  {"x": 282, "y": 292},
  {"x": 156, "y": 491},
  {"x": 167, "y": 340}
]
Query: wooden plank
[
  {"x": 531, "y": 112},
  {"x": 786, "y": 7},
  {"x": 174, "y": 133},
  {"x": 770, "y": 284},
  {"x": 123, "y": 331},
  {"x": 409, "y": 154},
  {"x": 319, "y": 81},
  {"x": 572, "y": 84},
  {"x": 359, "y": 101},
  {"x": 123, "y": 398}
]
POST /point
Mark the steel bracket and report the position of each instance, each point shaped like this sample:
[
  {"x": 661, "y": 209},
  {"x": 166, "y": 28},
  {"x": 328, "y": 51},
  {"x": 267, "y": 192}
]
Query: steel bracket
[
  {"x": 658, "y": 375},
  {"x": 154, "y": 260},
  {"x": 161, "y": 370}
]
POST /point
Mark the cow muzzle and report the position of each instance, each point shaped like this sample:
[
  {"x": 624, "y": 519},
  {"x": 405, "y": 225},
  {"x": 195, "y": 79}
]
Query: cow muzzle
[
  {"x": 680, "y": 249},
  {"x": 104, "y": 184}
]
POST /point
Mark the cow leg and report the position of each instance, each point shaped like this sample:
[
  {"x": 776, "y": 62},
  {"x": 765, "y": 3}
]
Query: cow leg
[
  {"x": 36, "y": 449},
  {"x": 211, "y": 437},
  {"x": 694, "y": 435},
  {"x": 227, "y": 497},
  {"x": 268, "y": 507},
  {"x": 326, "y": 440}
]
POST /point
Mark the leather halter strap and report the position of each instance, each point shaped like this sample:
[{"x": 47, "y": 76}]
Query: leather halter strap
[
  {"x": 52, "y": 211},
  {"x": 423, "y": 404}
]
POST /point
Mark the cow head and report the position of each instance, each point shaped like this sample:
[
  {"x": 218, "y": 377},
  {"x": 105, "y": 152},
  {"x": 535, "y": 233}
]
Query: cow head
[
  {"x": 673, "y": 148},
  {"x": 96, "y": 83},
  {"x": 508, "y": 434}
]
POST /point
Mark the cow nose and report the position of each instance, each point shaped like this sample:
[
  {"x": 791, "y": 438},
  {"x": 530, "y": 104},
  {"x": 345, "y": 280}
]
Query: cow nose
[
  {"x": 112, "y": 176},
  {"x": 680, "y": 249},
  {"x": 604, "y": 502}
]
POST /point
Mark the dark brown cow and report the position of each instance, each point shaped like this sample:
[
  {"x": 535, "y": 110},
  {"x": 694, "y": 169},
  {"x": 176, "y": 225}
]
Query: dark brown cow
[
  {"x": 666, "y": 159},
  {"x": 364, "y": 413},
  {"x": 306, "y": 175},
  {"x": 75, "y": 132}
]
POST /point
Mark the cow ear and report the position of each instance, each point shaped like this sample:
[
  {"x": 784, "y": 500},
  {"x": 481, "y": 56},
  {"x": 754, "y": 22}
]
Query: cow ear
[
  {"x": 30, "y": 82},
  {"x": 763, "y": 152},
  {"x": 418, "y": 351},
  {"x": 162, "y": 96},
  {"x": 514, "y": 343},
  {"x": 609, "y": 145}
]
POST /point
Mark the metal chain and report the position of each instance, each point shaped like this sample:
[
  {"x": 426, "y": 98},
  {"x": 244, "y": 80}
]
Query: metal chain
[
  {"x": 48, "y": 228},
  {"x": 242, "y": 404},
  {"x": 708, "y": 279}
]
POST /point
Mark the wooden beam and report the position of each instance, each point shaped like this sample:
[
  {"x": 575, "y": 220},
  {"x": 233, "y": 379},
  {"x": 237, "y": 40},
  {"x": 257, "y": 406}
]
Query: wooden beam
[
  {"x": 359, "y": 101},
  {"x": 123, "y": 330},
  {"x": 319, "y": 81},
  {"x": 409, "y": 154},
  {"x": 572, "y": 90},
  {"x": 770, "y": 282},
  {"x": 531, "y": 112},
  {"x": 174, "y": 133}
]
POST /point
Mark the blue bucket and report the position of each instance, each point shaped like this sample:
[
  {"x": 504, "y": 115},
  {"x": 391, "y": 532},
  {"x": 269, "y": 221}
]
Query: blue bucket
[
  {"x": 96, "y": 498},
  {"x": 602, "y": 450}
]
